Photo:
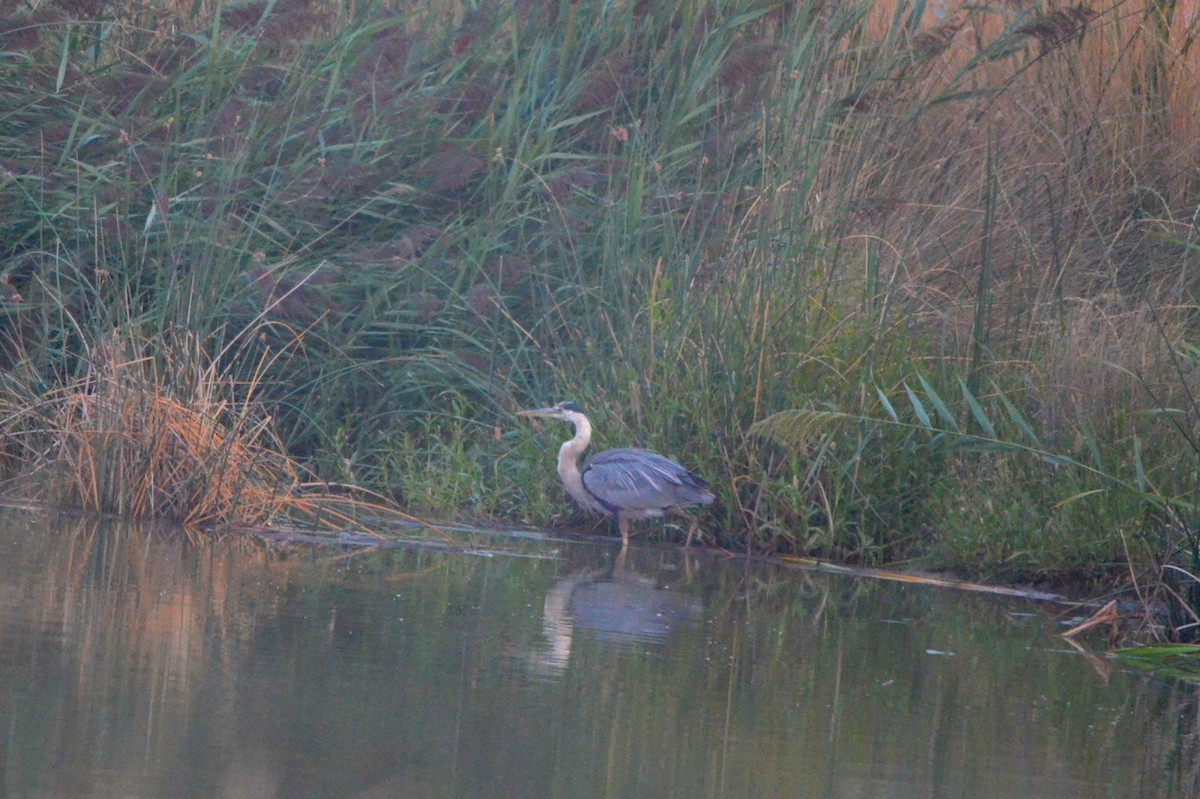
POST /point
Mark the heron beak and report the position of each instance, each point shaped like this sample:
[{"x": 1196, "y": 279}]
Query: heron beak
[{"x": 540, "y": 412}]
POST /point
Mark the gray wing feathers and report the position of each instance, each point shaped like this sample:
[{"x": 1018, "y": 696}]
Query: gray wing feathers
[{"x": 638, "y": 480}]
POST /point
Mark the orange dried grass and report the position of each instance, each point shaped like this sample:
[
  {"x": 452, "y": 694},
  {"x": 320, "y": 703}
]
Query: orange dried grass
[{"x": 132, "y": 441}]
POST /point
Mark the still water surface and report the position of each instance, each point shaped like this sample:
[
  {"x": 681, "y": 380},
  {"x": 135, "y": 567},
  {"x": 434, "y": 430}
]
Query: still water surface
[{"x": 138, "y": 663}]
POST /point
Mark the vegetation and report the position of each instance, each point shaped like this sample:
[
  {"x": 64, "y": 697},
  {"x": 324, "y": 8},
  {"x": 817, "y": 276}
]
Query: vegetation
[{"x": 904, "y": 283}]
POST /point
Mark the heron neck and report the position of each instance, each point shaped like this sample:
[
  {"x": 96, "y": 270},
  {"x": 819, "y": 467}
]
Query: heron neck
[{"x": 568, "y": 462}]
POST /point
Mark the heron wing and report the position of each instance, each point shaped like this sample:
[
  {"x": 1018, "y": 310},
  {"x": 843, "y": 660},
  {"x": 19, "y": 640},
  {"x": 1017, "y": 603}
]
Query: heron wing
[{"x": 637, "y": 480}]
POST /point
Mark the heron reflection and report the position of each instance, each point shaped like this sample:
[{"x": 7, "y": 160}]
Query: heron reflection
[{"x": 619, "y": 608}]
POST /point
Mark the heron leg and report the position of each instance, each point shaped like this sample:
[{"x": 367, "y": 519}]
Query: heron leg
[
  {"x": 693, "y": 525},
  {"x": 623, "y": 523}
]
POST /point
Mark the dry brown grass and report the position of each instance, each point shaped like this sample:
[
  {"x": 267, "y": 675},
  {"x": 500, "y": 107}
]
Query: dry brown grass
[
  {"x": 1074, "y": 377},
  {"x": 155, "y": 430},
  {"x": 1050, "y": 121}
]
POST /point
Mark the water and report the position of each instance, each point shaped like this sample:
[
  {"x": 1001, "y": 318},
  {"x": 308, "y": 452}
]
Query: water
[{"x": 156, "y": 664}]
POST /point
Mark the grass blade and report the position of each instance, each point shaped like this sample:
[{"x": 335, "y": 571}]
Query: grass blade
[
  {"x": 887, "y": 405},
  {"x": 943, "y": 412},
  {"x": 918, "y": 407},
  {"x": 977, "y": 410},
  {"x": 1017, "y": 419}
]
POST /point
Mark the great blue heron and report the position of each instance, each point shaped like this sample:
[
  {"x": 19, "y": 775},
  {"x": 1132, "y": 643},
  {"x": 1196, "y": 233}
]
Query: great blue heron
[{"x": 626, "y": 483}]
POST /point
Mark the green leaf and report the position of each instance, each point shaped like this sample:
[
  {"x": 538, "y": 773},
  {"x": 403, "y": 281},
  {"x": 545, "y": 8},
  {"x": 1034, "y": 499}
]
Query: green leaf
[
  {"x": 1018, "y": 419},
  {"x": 943, "y": 412},
  {"x": 1089, "y": 438},
  {"x": 887, "y": 405},
  {"x": 977, "y": 410},
  {"x": 1138, "y": 469},
  {"x": 1056, "y": 460},
  {"x": 1076, "y": 497},
  {"x": 918, "y": 407},
  {"x": 63, "y": 60}
]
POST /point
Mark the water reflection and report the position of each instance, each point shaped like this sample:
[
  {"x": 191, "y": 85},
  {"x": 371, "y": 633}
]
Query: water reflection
[
  {"x": 619, "y": 606},
  {"x": 147, "y": 663}
]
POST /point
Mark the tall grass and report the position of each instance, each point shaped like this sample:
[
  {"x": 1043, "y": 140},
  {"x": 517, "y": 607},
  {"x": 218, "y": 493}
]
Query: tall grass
[
  {"x": 688, "y": 217},
  {"x": 151, "y": 428},
  {"x": 129, "y": 439}
]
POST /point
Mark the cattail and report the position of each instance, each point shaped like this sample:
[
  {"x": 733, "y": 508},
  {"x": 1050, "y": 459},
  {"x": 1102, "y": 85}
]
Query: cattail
[
  {"x": 1058, "y": 27},
  {"x": 422, "y": 236},
  {"x": 20, "y": 34},
  {"x": 450, "y": 169},
  {"x": 864, "y": 101},
  {"x": 118, "y": 91},
  {"x": 933, "y": 42},
  {"x": 230, "y": 126},
  {"x": 263, "y": 82},
  {"x": 286, "y": 23},
  {"x": 351, "y": 180},
  {"x": 170, "y": 55},
  {"x": 8, "y": 293},
  {"x": 283, "y": 28},
  {"x": 467, "y": 98},
  {"x": 112, "y": 231},
  {"x": 299, "y": 302},
  {"x": 82, "y": 9},
  {"x": 483, "y": 302},
  {"x": 385, "y": 59},
  {"x": 397, "y": 251},
  {"x": 242, "y": 16},
  {"x": 875, "y": 209},
  {"x": 785, "y": 10},
  {"x": 747, "y": 65},
  {"x": 562, "y": 185},
  {"x": 425, "y": 307},
  {"x": 400, "y": 250},
  {"x": 607, "y": 81},
  {"x": 474, "y": 27},
  {"x": 541, "y": 13},
  {"x": 506, "y": 270}
]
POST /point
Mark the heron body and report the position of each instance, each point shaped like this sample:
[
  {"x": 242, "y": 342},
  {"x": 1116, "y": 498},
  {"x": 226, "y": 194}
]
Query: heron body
[{"x": 626, "y": 483}]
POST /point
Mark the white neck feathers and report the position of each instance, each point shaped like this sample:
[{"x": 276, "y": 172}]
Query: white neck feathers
[{"x": 568, "y": 461}]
